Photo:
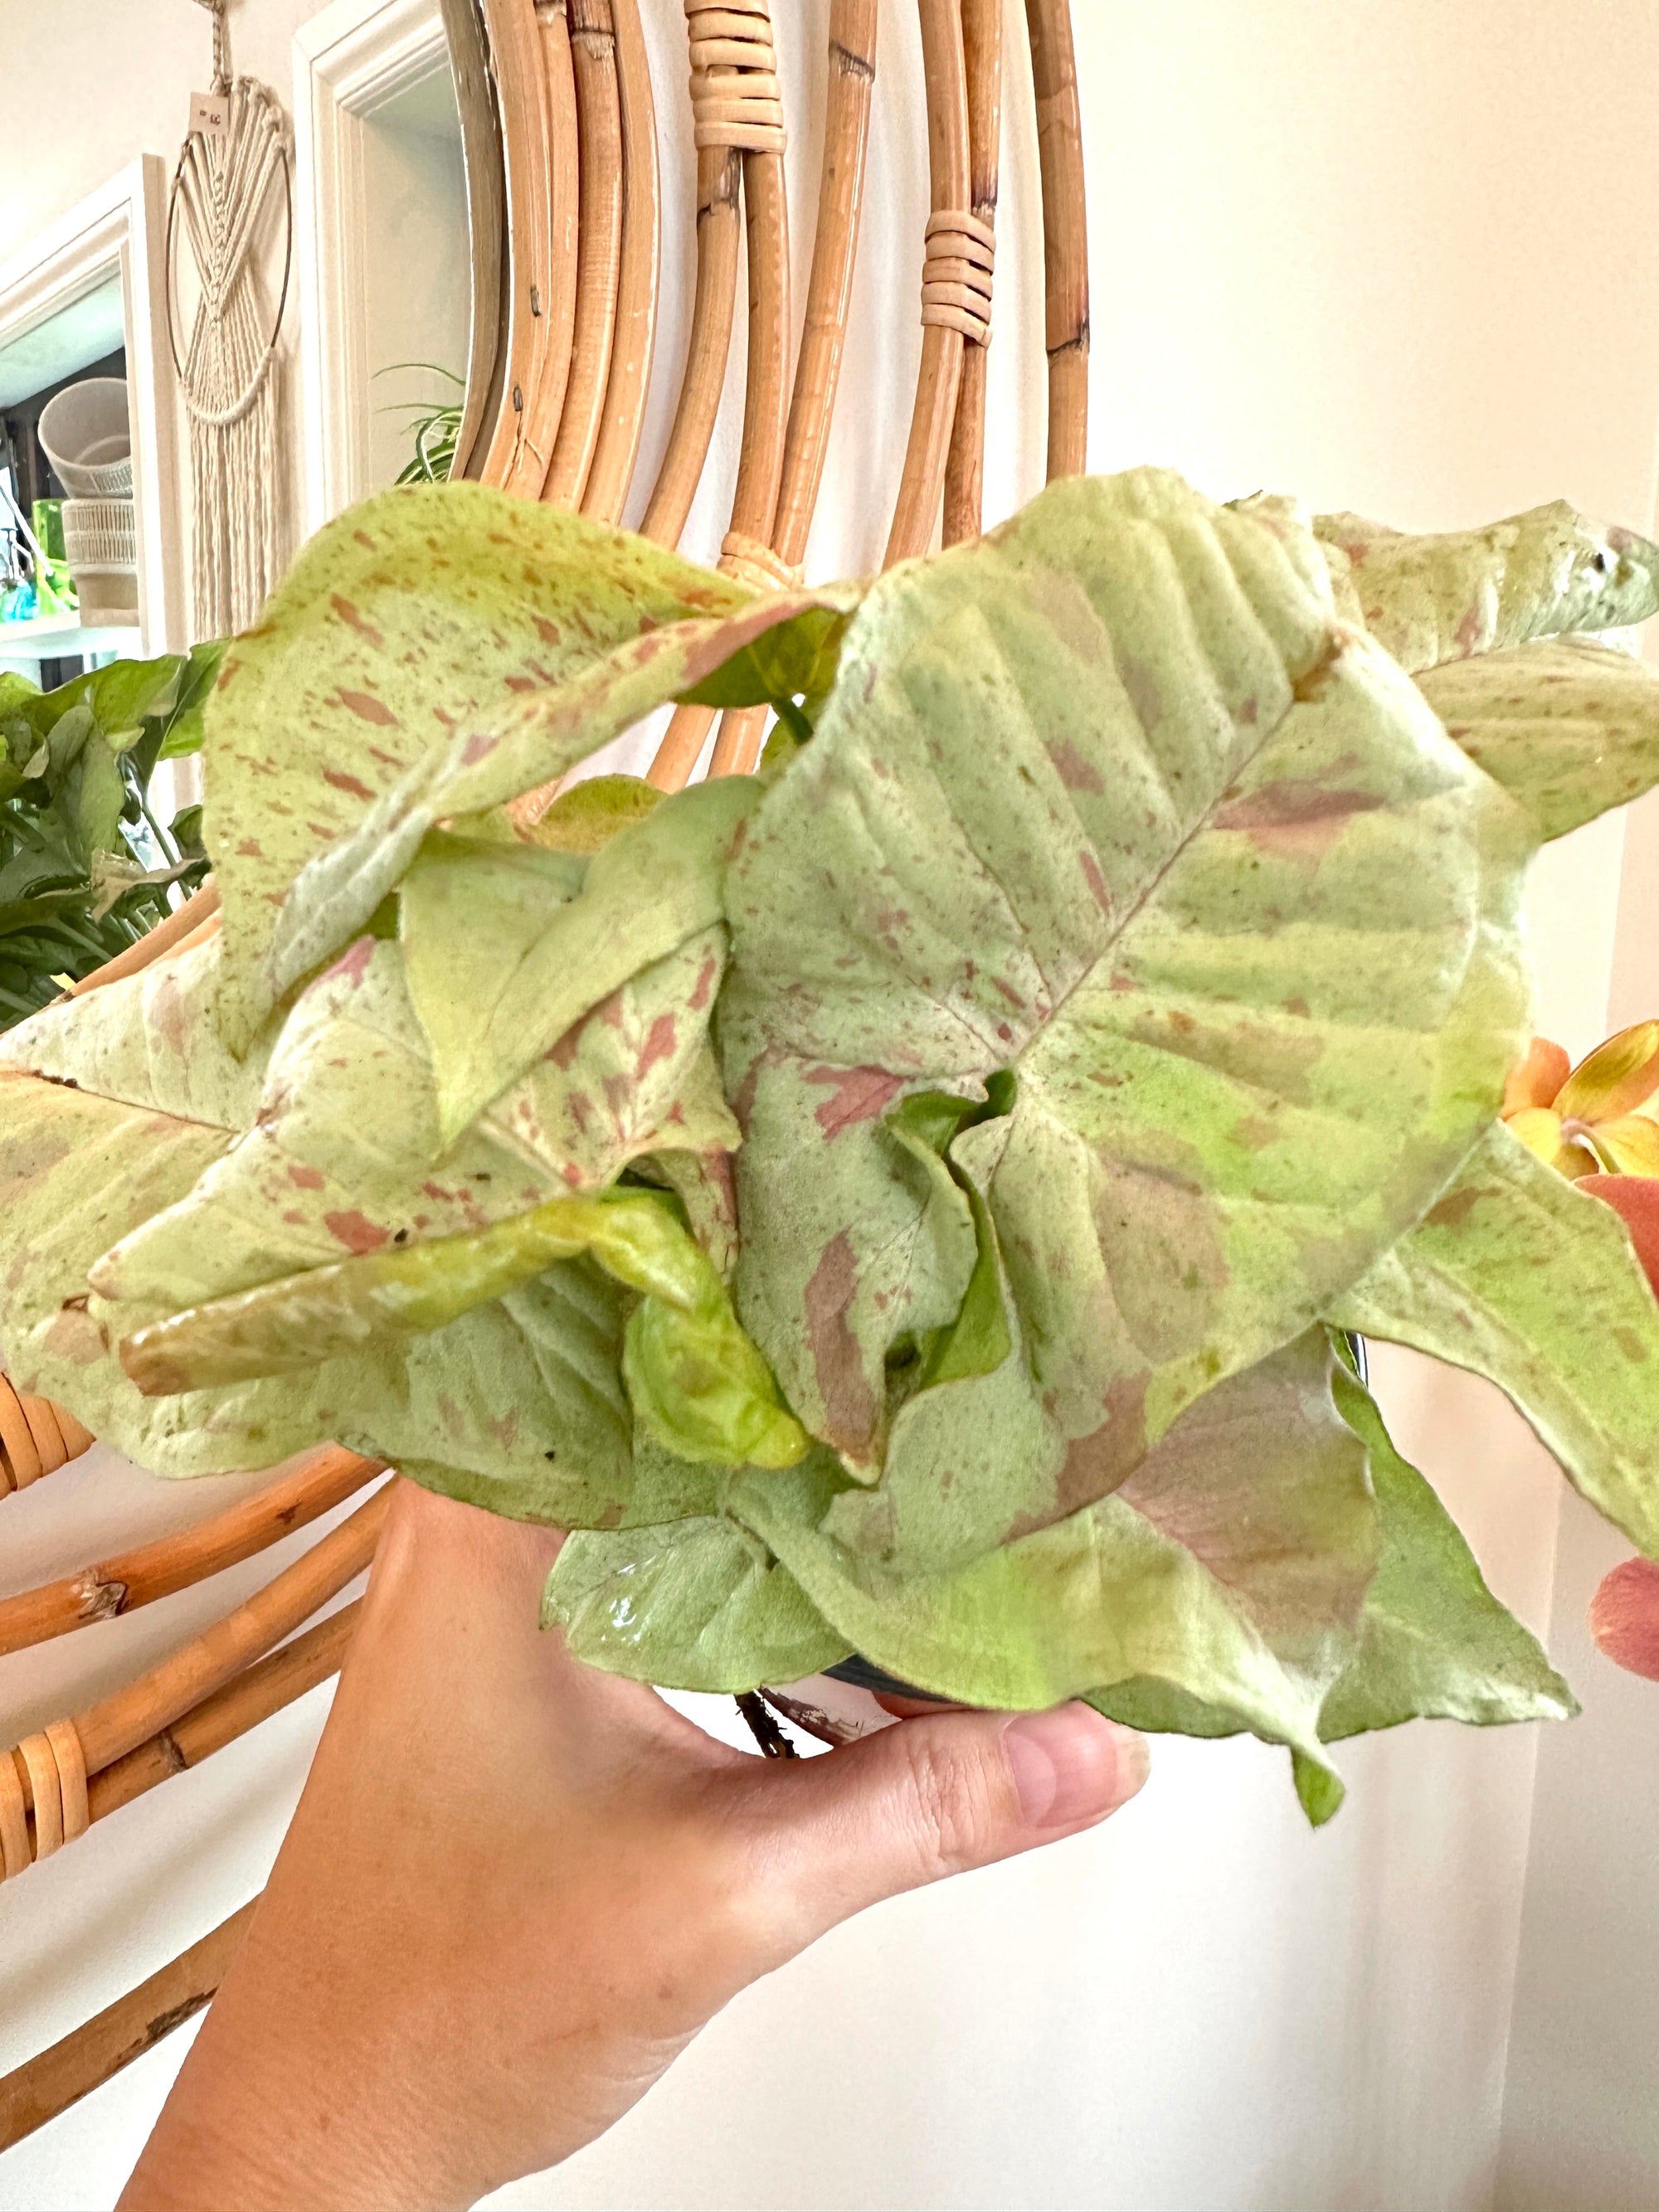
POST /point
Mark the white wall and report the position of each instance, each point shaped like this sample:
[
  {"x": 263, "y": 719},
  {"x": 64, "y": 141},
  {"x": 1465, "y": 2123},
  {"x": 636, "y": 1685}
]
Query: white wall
[{"x": 1395, "y": 258}]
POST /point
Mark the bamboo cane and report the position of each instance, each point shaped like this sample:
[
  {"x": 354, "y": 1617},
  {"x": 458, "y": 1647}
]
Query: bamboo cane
[
  {"x": 1065, "y": 234},
  {"x": 246, "y": 1700},
  {"x": 817, "y": 371},
  {"x": 964, "y": 467},
  {"x": 122, "y": 1721},
  {"x": 174, "y": 1563},
  {"x": 598, "y": 258},
  {"x": 641, "y": 264},
  {"x": 167, "y": 937},
  {"x": 922, "y": 482},
  {"x": 38, "y": 2092},
  {"x": 747, "y": 549},
  {"x": 515, "y": 47},
  {"x": 481, "y": 161},
  {"x": 556, "y": 305},
  {"x": 719, "y": 176}
]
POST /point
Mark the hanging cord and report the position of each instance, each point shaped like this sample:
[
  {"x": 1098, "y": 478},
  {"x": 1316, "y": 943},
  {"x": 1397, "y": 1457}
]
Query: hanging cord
[{"x": 217, "y": 8}]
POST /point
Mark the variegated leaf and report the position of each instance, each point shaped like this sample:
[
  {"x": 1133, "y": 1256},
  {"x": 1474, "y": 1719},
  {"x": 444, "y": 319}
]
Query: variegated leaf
[
  {"x": 1106, "y": 804},
  {"x": 1519, "y": 1275},
  {"x": 436, "y": 651},
  {"x": 1430, "y": 599},
  {"x": 1569, "y": 726},
  {"x": 1229, "y": 1569}
]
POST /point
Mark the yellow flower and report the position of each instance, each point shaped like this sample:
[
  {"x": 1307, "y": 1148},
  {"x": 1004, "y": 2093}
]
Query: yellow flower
[{"x": 1600, "y": 1117}]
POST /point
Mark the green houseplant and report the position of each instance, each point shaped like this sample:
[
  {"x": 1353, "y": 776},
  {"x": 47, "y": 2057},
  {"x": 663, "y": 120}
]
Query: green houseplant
[
  {"x": 85, "y": 864},
  {"x": 909, "y": 1201}
]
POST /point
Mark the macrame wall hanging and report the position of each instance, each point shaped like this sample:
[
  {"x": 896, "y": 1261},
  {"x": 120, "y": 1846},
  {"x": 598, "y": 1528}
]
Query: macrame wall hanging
[{"x": 232, "y": 169}]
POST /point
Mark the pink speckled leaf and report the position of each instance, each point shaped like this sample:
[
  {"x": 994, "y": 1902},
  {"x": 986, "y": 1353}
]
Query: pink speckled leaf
[
  {"x": 504, "y": 956},
  {"x": 1431, "y": 599},
  {"x": 437, "y": 650},
  {"x": 1518, "y": 1275},
  {"x": 1218, "y": 1589},
  {"x": 1569, "y": 726},
  {"x": 1106, "y": 800}
]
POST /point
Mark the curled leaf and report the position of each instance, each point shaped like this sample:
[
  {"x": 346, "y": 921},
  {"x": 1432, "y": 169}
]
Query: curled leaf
[{"x": 1430, "y": 599}]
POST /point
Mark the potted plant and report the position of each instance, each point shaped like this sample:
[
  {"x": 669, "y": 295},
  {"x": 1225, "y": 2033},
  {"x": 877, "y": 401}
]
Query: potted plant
[{"x": 914, "y": 1200}]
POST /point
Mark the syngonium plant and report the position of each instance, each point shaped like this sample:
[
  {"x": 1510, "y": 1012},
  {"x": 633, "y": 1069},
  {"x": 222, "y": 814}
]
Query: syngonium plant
[{"x": 914, "y": 1200}]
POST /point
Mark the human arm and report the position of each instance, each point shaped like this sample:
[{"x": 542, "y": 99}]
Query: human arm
[{"x": 515, "y": 1889}]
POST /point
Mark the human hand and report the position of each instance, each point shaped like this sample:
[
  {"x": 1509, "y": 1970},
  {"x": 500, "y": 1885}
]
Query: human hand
[{"x": 515, "y": 1889}]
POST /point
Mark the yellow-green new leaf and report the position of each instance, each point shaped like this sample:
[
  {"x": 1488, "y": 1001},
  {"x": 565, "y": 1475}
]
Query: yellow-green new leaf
[
  {"x": 1523, "y": 1278},
  {"x": 1569, "y": 726}
]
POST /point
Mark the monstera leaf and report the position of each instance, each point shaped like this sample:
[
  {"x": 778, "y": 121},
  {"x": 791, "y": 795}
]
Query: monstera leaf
[
  {"x": 435, "y": 652},
  {"x": 1431, "y": 599},
  {"x": 1108, "y": 807},
  {"x": 1520, "y": 1276}
]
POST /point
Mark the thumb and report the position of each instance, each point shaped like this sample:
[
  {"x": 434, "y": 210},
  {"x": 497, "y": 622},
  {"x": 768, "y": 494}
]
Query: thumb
[{"x": 937, "y": 1796}]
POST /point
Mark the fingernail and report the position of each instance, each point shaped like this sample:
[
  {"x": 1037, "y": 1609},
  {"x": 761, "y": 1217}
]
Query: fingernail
[{"x": 1071, "y": 1764}]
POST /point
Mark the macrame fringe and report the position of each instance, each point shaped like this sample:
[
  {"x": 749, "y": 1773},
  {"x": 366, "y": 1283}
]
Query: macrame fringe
[{"x": 228, "y": 373}]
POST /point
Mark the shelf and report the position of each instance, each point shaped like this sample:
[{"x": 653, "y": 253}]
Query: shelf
[{"x": 57, "y": 637}]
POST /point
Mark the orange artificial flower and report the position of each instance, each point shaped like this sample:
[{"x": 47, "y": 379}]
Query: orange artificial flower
[{"x": 1600, "y": 1118}]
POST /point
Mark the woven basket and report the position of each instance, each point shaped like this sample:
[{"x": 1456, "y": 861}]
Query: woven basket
[
  {"x": 87, "y": 440},
  {"x": 99, "y": 534}
]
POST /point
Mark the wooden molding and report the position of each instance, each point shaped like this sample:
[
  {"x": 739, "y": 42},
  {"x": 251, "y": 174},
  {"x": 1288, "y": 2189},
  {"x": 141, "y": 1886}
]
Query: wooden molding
[
  {"x": 120, "y": 230},
  {"x": 352, "y": 58}
]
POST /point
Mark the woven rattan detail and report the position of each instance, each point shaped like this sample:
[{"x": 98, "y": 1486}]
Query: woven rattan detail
[
  {"x": 56, "y": 1768},
  {"x": 956, "y": 273},
  {"x": 36, "y": 1437},
  {"x": 735, "y": 100},
  {"x": 749, "y": 561}
]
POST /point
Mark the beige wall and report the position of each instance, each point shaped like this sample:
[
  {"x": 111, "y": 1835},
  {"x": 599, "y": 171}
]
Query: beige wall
[{"x": 1395, "y": 256}]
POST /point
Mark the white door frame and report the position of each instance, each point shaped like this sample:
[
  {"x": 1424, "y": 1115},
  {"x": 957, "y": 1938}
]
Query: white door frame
[
  {"x": 351, "y": 59},
  {"x": 121, "y": 229}
]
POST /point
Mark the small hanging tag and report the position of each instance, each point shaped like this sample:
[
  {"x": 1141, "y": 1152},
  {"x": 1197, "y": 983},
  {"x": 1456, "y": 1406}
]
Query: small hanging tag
[{"x": 210, "y": 113}]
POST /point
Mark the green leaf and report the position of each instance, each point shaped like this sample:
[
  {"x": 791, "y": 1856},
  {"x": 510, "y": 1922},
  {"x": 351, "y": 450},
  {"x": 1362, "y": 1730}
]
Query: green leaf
[
  {"x": 1519, "y": 1276},
  {"x": 127, "y": 694},
  {"x": 1431, "y": 599},
  {"x": 1570, "y": 727},
  {"x": 435, "y": 652},
  {"x": 1227, "y": 1573},
  {"x": 779, "y": 665},
  {"x": 1107, "y": 801},
  {"x": 585, "y": 818},
  {"x": 182, "y": 728},
  {"x": 1434, "y": 1643},
  {"x": 503, "y": 959},
  {"x": 695, "y": 1605}
]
